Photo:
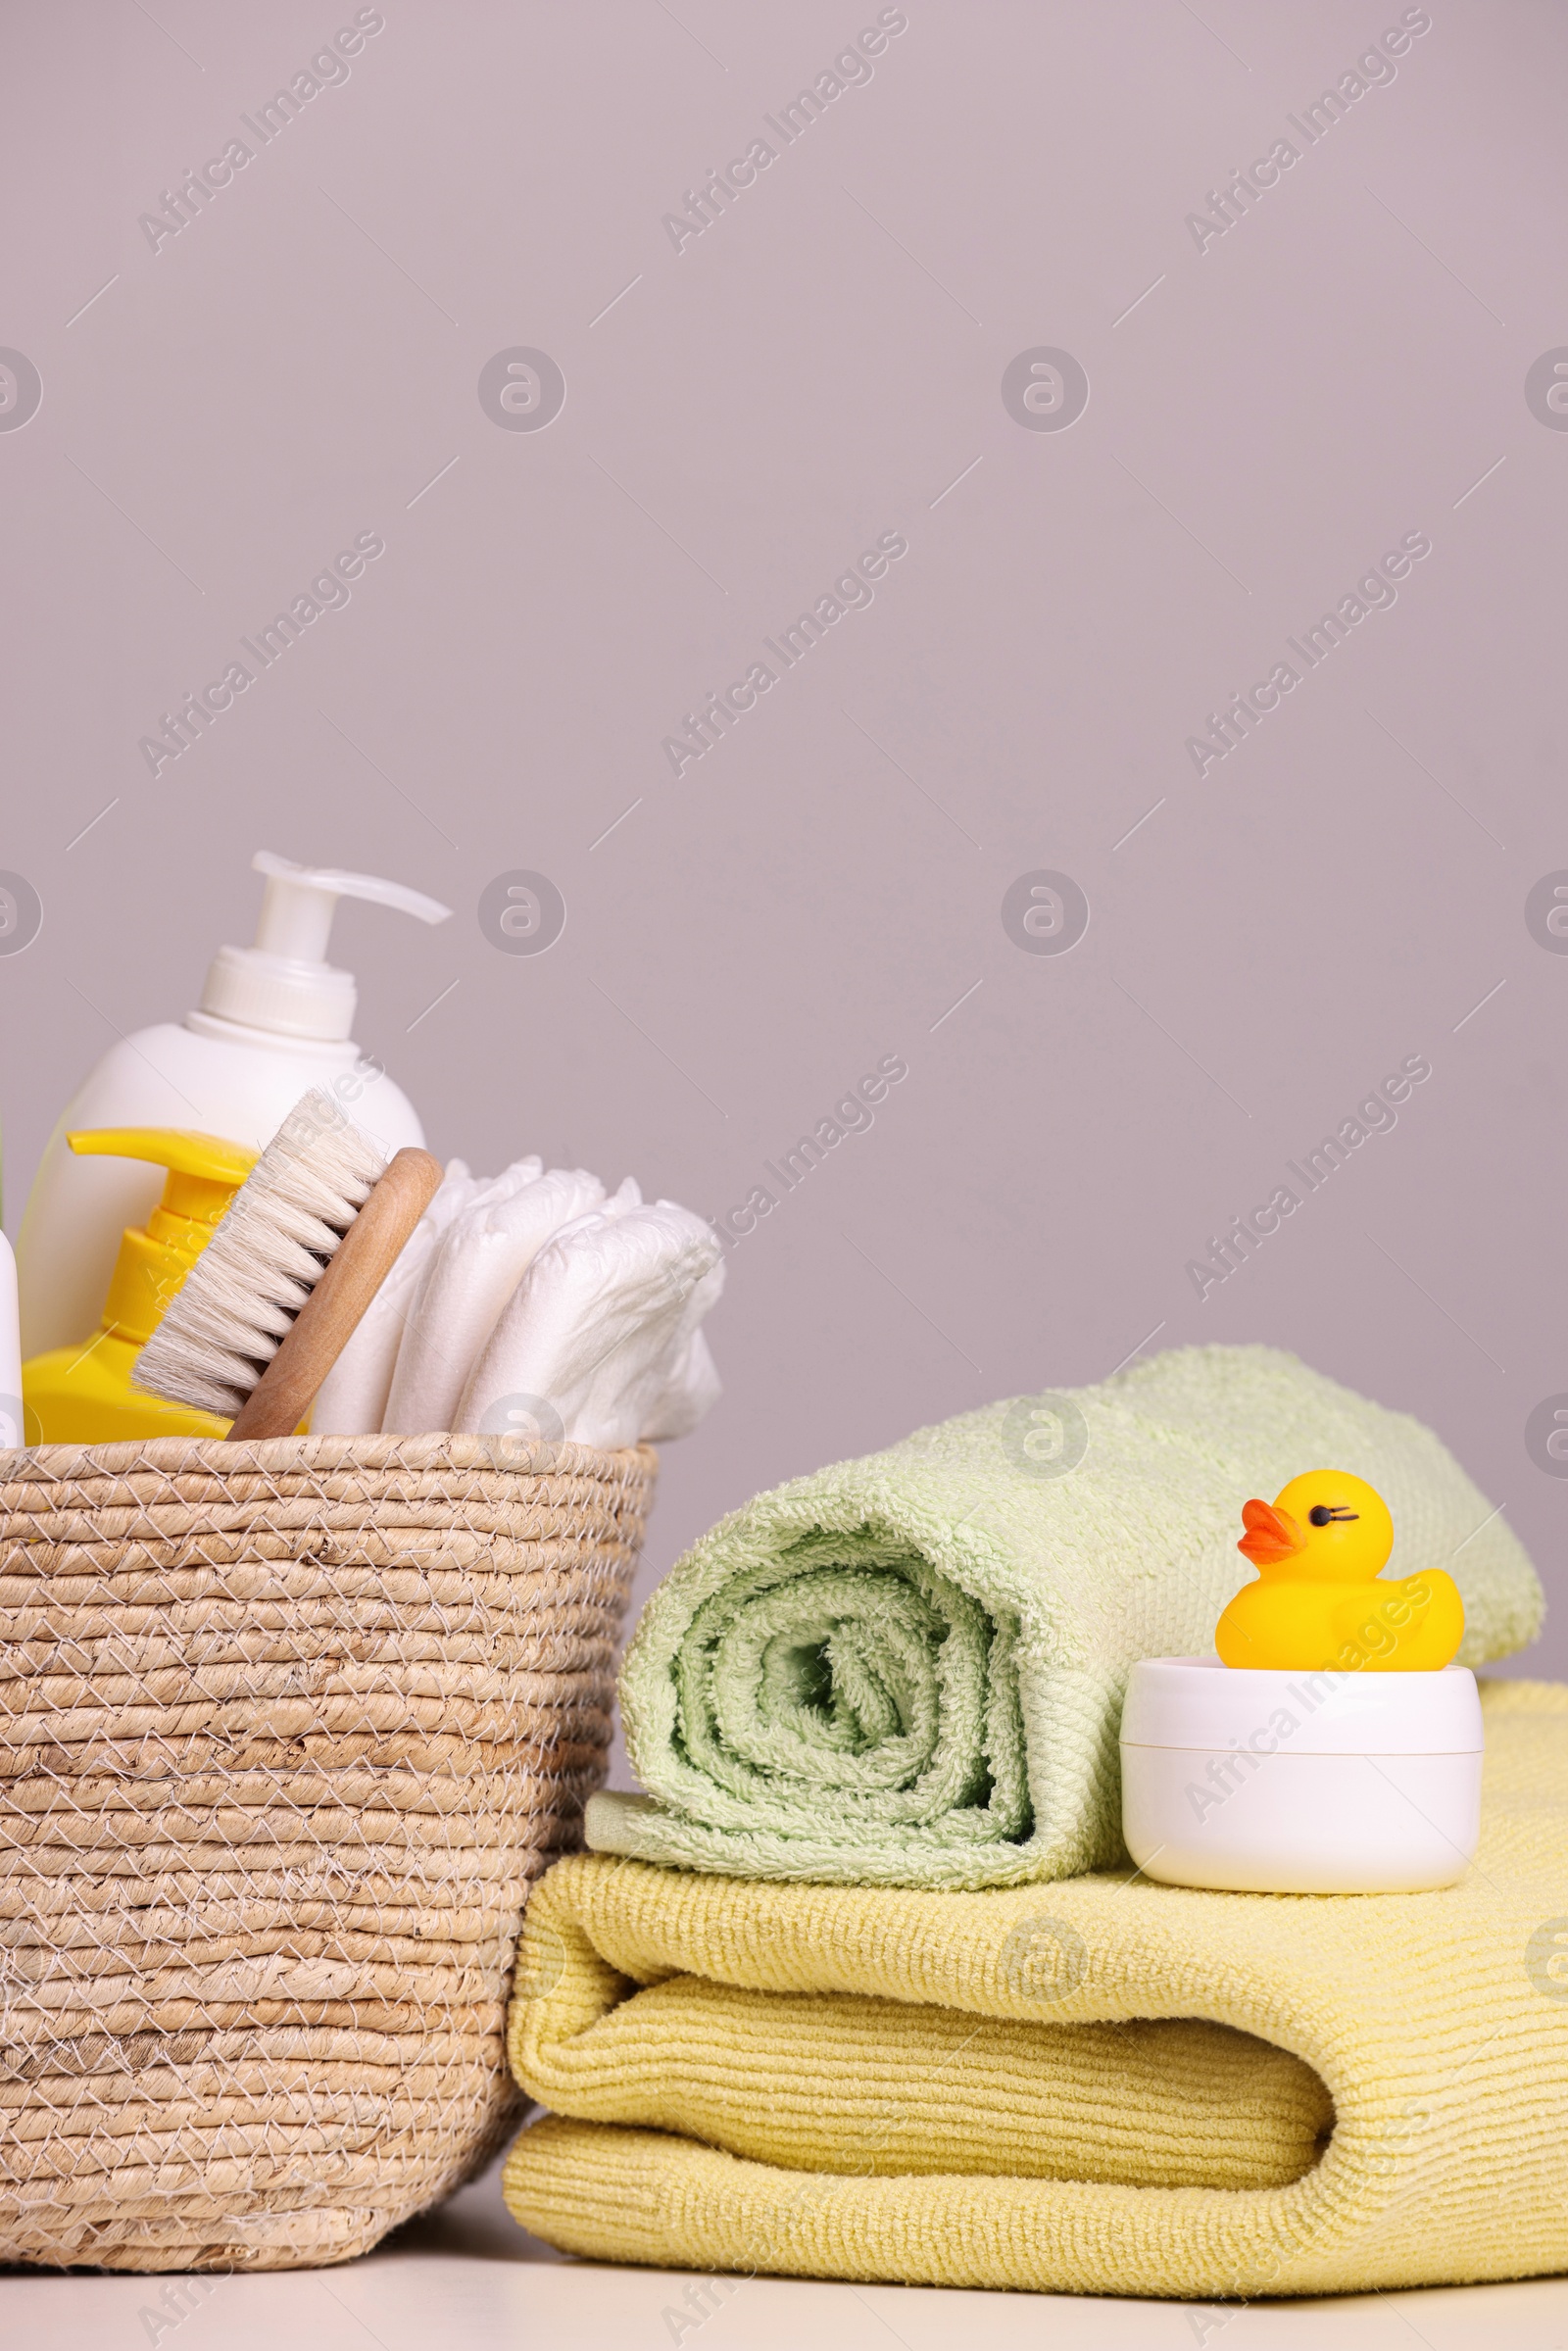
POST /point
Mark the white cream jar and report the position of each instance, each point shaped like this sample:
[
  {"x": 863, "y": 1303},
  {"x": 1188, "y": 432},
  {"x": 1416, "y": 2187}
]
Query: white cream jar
[{"x": 1301, "y": 1782}]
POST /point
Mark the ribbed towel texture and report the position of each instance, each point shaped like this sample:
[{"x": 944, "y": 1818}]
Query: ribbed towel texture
[
  {"x": 1105, "y": 2087},
  {"x": 909, "y": 1669}
]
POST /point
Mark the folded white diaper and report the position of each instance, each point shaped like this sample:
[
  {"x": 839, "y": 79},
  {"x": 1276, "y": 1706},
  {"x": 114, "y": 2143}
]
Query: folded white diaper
[
  {"x": 691, "y": 1387},
  {"x": 352, "y": 1400},
  {"x": 597, "y": 1343},
  {"x": 467, "y": 1279},
  {"x": 692, "y": 1391}
]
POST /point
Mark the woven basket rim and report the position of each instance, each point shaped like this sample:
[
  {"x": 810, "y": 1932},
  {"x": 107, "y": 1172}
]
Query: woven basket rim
[{"x": 284, "y": 1456}]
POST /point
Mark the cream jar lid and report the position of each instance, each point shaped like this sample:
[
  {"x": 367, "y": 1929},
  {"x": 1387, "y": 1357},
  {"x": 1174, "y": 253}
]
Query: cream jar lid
[{"x": 1199, "y": 1703}]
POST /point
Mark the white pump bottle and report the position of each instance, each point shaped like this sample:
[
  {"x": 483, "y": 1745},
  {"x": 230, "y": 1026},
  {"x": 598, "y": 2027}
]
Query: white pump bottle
[{"x": 274, "y": 1021}]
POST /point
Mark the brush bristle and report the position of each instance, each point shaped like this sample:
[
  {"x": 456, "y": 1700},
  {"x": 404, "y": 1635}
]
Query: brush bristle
[{"x": 238, "y": 1303}]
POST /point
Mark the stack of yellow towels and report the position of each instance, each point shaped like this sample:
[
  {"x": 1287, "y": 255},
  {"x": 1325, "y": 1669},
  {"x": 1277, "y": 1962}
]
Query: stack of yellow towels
[
  {"x": 836, "y": 2003},
  {"x": 1096, "y": 2086}
]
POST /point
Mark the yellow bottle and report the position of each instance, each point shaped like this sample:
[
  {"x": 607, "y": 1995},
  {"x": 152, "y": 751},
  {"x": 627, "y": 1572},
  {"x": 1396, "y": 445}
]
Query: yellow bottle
[{"x": 82, "y": 1395}]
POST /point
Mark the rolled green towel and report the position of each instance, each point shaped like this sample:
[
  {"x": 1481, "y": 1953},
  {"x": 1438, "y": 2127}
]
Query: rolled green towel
[{"x": 908, "y": 1670}]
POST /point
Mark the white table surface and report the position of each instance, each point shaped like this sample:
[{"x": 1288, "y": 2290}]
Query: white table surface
[{"x": 467, "y": 2278}]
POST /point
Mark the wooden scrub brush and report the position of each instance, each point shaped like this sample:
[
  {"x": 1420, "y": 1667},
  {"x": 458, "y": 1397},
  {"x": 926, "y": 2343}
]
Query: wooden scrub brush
[{"x": 269, "y": 1305}]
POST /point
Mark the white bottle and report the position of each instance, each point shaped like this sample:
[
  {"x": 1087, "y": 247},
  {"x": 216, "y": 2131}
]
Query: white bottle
[{"x": 274, "y": 1021}]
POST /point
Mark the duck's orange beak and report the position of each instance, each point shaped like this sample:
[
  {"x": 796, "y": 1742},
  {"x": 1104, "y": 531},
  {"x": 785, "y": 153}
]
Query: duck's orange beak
[{"x": 1271, "y": 1535}]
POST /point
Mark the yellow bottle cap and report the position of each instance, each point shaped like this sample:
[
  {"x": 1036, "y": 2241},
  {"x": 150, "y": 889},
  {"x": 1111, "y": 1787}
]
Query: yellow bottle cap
[{"x": 204, "y": 1174}]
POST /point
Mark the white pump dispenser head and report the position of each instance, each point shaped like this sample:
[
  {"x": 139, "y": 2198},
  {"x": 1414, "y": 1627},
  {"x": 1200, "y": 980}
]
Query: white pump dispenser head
[
  {"x": 275, "y": 1019},
  {"x": 284, "y": 984}
]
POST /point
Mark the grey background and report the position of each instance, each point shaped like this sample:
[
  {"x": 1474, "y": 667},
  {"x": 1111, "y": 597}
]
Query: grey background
[{"x": 822, "y": 365}]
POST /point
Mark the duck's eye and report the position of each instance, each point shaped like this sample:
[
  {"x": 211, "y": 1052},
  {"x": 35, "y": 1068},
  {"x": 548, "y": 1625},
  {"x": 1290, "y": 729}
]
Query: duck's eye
[{"x": 1320, "y": 1514}]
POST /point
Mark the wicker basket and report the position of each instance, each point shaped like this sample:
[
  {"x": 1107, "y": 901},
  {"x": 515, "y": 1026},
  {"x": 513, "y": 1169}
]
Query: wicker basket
[{"x": 286, "y": 1731}]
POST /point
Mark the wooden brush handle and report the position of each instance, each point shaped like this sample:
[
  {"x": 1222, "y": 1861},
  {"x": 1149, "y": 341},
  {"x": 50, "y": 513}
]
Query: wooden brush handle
[{"x": 325, "y": 1324}]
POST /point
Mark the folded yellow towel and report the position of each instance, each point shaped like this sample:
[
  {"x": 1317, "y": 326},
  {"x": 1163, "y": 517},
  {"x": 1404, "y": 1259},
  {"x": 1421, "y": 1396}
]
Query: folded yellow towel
[{"x": 1099, "y": 2085}]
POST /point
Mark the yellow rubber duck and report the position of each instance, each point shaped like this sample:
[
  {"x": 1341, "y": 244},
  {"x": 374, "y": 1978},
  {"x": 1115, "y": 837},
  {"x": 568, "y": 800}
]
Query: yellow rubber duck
[{"x": 1320, "y": 1605}]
